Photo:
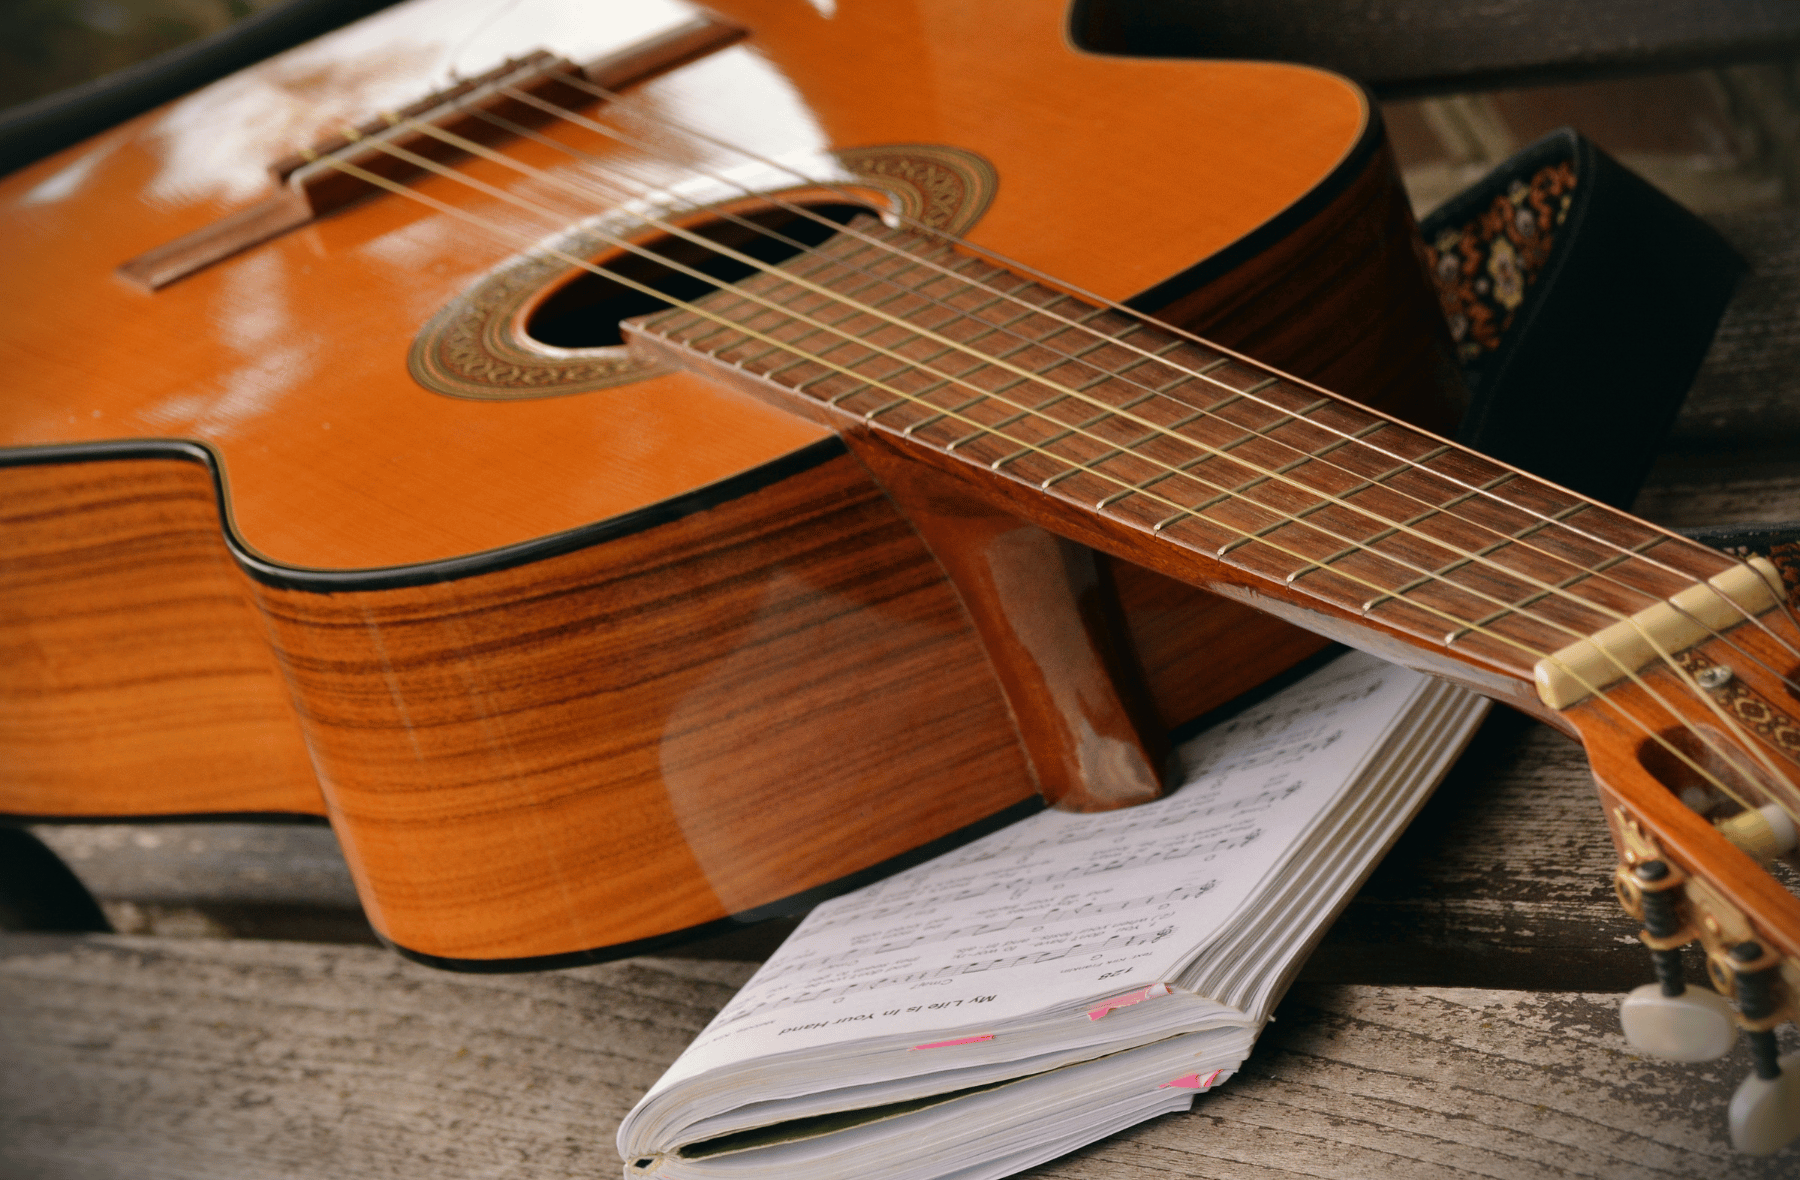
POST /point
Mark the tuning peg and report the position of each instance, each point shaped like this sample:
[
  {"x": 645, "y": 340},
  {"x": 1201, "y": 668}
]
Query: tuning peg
[
  {"x": 1765, "y": 1111},
  {"x": 1764, "y": 832},
  {"x": 1694, "y": 1026},
  {"x": 1668, "y": 1019}
]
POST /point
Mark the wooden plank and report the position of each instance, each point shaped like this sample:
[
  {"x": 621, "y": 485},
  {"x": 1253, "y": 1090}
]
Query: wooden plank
[
  {"x": 1439, "y": 1083},
  {"x": 136, "y": 1057},
  {"x": 1410, "y": 47},
  {"x": 1747, "y": 395},
  {"x": 1504, "y": 879},
  {"x": 217, "y": 880}
]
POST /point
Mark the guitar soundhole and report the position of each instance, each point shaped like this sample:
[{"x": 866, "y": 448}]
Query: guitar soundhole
[{"x": 585, "y": 311}]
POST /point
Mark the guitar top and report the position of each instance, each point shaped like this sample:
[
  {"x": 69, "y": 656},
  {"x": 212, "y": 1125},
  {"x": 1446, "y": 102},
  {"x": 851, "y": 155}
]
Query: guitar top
[{"x": 290, "y": 359}]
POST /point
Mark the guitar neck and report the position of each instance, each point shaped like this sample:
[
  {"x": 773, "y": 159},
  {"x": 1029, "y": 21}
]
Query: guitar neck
[{"x": 1149, "y": 444}]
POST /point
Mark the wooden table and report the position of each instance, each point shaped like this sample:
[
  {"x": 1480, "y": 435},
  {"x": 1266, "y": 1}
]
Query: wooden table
[{"x": 1460, "y": 1019}]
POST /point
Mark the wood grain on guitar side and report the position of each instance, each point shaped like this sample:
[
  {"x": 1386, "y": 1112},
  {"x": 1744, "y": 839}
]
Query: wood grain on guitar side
[
  {"x": 676, "y": 725},
  {"x": 135, "y": 679}
]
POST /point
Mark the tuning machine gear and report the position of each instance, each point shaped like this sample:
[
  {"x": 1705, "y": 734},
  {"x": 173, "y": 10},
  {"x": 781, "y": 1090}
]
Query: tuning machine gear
[
  {"x": 1667, "y": 1018},
  {"x": 1765, "y": 1111}
]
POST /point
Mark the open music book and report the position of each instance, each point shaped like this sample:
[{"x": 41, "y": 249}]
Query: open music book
[{"x": 1067, "y": 976}]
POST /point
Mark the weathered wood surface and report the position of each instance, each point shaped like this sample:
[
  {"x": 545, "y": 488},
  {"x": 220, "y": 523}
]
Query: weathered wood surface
[
  {"x": 1747, "y": 395},
  {"x": 218, "y": 880},
  {"x": 146, "y": 1058},
  {"x": 1407, "y": 47}
]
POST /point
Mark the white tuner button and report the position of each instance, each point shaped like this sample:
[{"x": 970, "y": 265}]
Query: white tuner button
[
  {"x": 1765, "y": 1113},
  {"x": 1697, "y": 1025}
]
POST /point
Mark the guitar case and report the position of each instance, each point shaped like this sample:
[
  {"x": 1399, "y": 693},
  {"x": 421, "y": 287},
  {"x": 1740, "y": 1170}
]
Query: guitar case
[{"x": 1581, "y": 301}]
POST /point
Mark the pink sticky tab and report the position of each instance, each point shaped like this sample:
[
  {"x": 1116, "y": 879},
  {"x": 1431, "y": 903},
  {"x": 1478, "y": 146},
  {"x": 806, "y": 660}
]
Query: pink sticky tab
[
  {"x": 1128, "y": 999},
  {"x": 957, "y": 1041},
  {"x": 1192, "y": 1081}
]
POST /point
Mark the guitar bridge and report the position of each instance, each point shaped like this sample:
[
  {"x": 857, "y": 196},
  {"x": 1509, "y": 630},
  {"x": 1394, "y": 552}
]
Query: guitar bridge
[{"x": 336, "y": 172}]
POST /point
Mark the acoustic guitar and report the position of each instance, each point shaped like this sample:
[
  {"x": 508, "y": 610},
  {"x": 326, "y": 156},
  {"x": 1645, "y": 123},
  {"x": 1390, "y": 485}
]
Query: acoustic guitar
[{"x": 634, "y": 471}]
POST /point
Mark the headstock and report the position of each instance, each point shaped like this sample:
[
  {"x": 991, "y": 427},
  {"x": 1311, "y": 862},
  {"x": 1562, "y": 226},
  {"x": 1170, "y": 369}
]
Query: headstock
[{"x": 1697, "y": 759}]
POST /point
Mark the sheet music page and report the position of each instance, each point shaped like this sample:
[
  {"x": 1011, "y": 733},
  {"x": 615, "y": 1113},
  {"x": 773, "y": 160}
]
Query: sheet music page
[{"x": 1060, "y": 907}]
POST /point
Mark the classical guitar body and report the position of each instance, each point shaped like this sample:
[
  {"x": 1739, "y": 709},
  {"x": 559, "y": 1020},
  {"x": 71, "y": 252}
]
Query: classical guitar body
[{"x": 579, "y": 654}]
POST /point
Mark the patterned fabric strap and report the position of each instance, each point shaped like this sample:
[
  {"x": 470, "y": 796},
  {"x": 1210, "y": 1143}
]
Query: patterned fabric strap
[{"x": 1485, "y": 265}]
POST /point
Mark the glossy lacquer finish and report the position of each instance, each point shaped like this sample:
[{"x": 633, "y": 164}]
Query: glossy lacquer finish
[{"x": 574, "y": 673}]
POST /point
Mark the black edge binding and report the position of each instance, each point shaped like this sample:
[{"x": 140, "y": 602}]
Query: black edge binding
[
  {"x": 317, "y": 581},
  {"x": 1276, "y": 228},
  {"x": 13, "y": 819},
  {"x": 790, "y": 906}
]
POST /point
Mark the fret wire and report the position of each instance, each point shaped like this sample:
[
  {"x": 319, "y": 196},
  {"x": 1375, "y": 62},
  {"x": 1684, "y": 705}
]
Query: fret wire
[
  {"x": 1077, "y": 468},
  {"x": 934, "y": 419},
  {"x": 1087, "y": 424},
  {"x": 703, "y": 314},
  {"x": 1533, "y": 599},
  {"x": 605, "y": 94},
  {"x": 981, "y": 396},
  {"x": 1110, "y": 411},
  {"x": 825, "y": 326},
  {"x": 1003, "y": 387},
  {"x": 845, "y": 396},
  {"x": 431, "y": 165},
  {"x": 1384, "y": 534},
  {"x": 1530, "y": 600},
  {"x": 1416, "y": 583},
  {"x": 812, "y": 332},
  {"x": 1130, "y": 448},
  {"x": 1038, "y": 410},
  {"x": 1473, "y": 491},
  {"x": 566, "y": 113},
  {"x": 1110, "y": 455},
  {"x": 1302, "y": 461},
  {"x": 988, "y": 330},
  {"x": 1008, "y": 421},
  {"x": 1152, "y": 481},
  {"x": 1107, "y": 412},
  {"x": 1115, "y": 411},
  {"x": 1321, "y": 505},
  {"x": 936, "y": 385},
  {"x": 1485, "y": 489},
  {"x": 832, "y": 325}
]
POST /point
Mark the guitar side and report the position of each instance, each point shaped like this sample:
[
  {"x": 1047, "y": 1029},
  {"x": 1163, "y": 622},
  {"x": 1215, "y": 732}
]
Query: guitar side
[{"x": 591, "y": 739}]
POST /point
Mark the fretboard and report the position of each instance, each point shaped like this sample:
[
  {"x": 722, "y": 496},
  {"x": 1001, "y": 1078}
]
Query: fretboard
[{"x": 1148, "y": 433}]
